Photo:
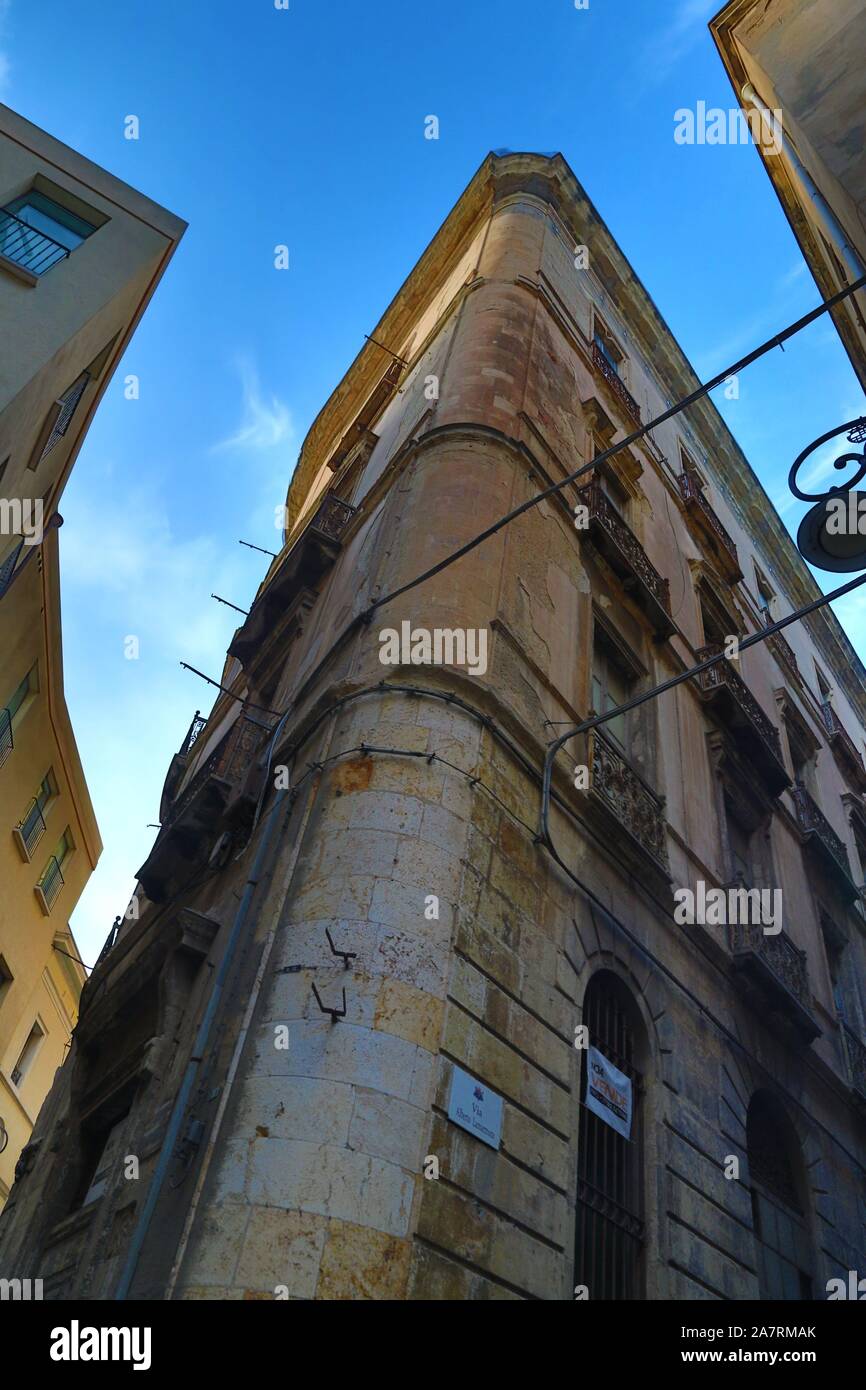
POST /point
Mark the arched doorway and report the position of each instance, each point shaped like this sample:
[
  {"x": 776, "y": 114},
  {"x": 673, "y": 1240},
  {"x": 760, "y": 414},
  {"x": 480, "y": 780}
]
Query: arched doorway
[
  {"x": 609, "y": 1225},
  {"x": 779, "y": 1206}
]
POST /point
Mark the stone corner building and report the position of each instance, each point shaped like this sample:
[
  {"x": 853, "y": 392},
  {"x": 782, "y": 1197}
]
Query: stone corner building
[{"x": 283, "y": 1151}]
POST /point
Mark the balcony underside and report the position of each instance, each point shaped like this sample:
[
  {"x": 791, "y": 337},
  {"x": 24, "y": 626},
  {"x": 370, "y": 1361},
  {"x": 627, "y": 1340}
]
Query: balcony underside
[
  {"x": 822, "y": 840},
  {"x": 185, "y": 841},
  {"x": 816, "y": 842},
  {"x": 622, "y": 550},
  {"x": 768, "y": 994},
  {"x": 308, "y": 560},
  {"x": 749, "y": 738}
]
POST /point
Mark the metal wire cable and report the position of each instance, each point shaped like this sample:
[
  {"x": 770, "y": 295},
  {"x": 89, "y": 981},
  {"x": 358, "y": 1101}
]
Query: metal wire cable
[{"x": 776, "y": 341}]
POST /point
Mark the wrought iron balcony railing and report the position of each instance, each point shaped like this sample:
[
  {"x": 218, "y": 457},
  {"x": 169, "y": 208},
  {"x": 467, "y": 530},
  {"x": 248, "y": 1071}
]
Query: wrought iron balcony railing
[
  {"x": 227, "y": 763},
  {"x": 616, "y": 384},
  {"x": 779, "y": 969},
  {"x": 723, "y": 687},
  {"x": 855, "y": 1051},
  {"x": 310, "y": 555},
  {"x": 49, "y": 886},
  {"x": 331, "y": 516},
  {"x": 6, "y": 741},
  {"x": 784, "y": 651},
  {"x": 27, "y": 247},
  {"x": 815, "y": 826},
  {"x": 699, "y": 509},
  {"x": 622, "y": 792},
  {"x": 215, "y": 796},
  {"x": 31, "y": 828},
  {"x": 843, "y": 745},
  {"x": 624, "y": 553},
  {"x": 109, "y": 941}
]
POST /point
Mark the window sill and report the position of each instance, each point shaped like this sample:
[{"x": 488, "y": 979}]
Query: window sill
[{"x": 19, "y": 272}]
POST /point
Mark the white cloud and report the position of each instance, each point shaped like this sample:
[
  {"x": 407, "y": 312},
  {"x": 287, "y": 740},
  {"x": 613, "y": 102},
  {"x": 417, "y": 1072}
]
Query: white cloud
[
  {"x": 266, "y": 421},
  {"x": 128, "y": 570},
  {"x": 671, "y": 44}
]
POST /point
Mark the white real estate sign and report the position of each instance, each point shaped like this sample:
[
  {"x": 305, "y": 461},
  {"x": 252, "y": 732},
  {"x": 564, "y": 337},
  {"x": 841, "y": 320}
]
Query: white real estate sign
[
  {"x": 608, "y": 1092},
  {"x": 474, "y": 1106}
]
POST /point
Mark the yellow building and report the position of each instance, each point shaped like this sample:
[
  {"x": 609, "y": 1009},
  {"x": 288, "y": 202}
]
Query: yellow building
[
  {"x": 801, "y": 61},
  {"x": 80, "y": 255}
]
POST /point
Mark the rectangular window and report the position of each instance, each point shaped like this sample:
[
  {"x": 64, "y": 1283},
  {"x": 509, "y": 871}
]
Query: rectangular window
[
  {"x": 766, "y": 596},
  {"x": 824, "y": 687},
  {"x": 28, "y": 1054},
  {"x": 607, "y": 345},
  {"x": 58, "y": 420},
  {"x": 612, "y": 684},
  {"x": 31, "y": 827},
  {"x": 6, "y": 978},
  {"x": 37, "y": 233},
  {"x": 51, "y": 880},
  {"x": 12, "y": 712},
  {"x": 739, "y": 841},
  {"x": 614, "y": 491}
]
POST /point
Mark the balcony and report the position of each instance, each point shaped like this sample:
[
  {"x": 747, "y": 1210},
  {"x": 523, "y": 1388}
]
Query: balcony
[
  {"x": 7, "y": 569},
  {"x": 32, "y": 250},
  {"x": 6, "y": 742},
  {"x": 29, "y": 831},
  {"x": 784, "y": 652},
  {"x": 215, "y": 798},
  {"x": 310, "y": 556},
  {"x": 619, "y": 545},
  {"x": 776, "y": 975},
  {"x": 602, "y": 364},
  {"x": 843, "y": 747},
  {"x": 179, "y": 763},
  {"x": 723, "y": 688},
  {"x": 48, "y": 888},
  {"x": 855, "y": 1053},
  {"x": 817, "y": 831},
  {"x": 626, "y": 803},
  {"x": 708, "y": 526}
]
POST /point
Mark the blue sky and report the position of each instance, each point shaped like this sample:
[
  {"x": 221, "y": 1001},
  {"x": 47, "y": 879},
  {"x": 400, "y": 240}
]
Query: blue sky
[{"x": 306, "y": 127}]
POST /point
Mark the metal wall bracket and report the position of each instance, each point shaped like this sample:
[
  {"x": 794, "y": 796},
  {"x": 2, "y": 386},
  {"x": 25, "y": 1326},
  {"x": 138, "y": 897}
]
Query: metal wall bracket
[
  {"x": 335, "y": 1013},
  {"x": 346, "y": 955}
]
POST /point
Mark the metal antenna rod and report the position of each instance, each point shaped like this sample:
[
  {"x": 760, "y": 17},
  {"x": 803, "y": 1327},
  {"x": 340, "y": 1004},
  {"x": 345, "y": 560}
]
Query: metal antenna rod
[
  {"x": 401, "y": 360},
  {"x": 260, "y": 548},
  {"x": 245, "y": 611}
]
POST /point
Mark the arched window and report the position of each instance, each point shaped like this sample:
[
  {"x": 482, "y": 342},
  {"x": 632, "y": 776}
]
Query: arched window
[
  {"x": 609, "y": 1227},
  {"x": 778, "y": 1201}
]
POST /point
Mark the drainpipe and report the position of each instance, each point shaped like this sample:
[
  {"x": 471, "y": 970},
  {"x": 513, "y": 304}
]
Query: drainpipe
[
  {"x": 852, "y": 259},
  {"x": 240, "y": 1043},
  {"x": 182, "y": 1100}
]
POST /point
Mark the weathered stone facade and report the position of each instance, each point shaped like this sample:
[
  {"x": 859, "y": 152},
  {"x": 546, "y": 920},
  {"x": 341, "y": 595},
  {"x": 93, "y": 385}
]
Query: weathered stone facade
[{"x": 410, "y": 837}]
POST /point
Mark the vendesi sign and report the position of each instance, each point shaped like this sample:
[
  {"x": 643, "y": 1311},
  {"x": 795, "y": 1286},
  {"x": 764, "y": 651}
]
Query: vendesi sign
[
  {"x": 476, "y": 1108},
  {"x": 608, "y": 1092}
]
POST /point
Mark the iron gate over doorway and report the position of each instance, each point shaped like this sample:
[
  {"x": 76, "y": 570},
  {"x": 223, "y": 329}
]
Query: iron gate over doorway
[{"x": 609, "y": 1228}]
